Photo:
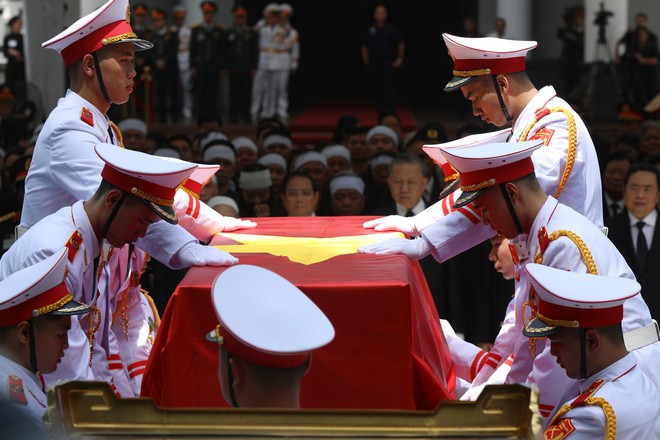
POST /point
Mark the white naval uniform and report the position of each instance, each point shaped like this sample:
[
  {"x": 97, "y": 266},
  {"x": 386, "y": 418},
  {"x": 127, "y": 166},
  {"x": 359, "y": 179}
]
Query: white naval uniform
[
  {"x": 196, "y": 217},
  {"x": 20, "y": 386},
  {"x": 564, "y": 253},
  {"x": 264, "y": 85},
  {"x": 44, "y": 239},
  {"x": 631, "y": 394},
  {"x": 66, "y": 169},
  {"x": 284, "y": 62},
  {"x": 456, "y": 231}
]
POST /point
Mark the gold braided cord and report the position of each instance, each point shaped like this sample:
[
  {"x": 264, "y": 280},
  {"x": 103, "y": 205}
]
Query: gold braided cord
[
  {"x": 572, "y": 144},
  {"x": 94, "y": 325},
  {"x": 557, "y": 322},
  {"x": 189, "y": 191},
  {"x": 469, "y": 73},
  {"x": 610, "y": 416},
  {"x": 152, "y": 304},
  {"x": 52, "y": 307},
  {"x": 120, "y": 138},
  {"x": 9, "y": 216},
  {"x": 478, "y": 186},
  {"x": 219, "y": 339},
  {"x": 117, "y": 38},
  {"x": 153, "y": 199},
  {"x": 584, "y": 250},
  {"x": 452, "y": 177}
]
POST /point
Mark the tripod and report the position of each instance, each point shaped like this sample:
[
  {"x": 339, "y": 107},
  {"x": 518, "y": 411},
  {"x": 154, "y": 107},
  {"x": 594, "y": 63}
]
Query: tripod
[{"x": 603, "y": 57}]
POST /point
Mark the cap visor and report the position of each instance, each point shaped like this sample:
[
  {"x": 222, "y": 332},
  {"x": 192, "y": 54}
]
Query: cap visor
[
  {"x": 539, "y": 329},
  {"x": 138, "y": 43},
  {"x": 457, "y": 82},
  {"x": 72, "y": 308},
  {"x": 211, "y": 336},
  {"x": 165, "y": 212},
  {"x": 450, "y": 188},
  {"x": 467, "y": 197}
]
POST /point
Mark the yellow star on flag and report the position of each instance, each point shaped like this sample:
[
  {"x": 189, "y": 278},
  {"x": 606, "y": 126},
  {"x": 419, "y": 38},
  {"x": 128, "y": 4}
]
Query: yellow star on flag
[{"x": 303, "y": 250}]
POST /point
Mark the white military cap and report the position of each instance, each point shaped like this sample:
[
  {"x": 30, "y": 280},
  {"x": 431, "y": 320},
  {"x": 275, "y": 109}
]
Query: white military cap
[
  {"x": 38, "y": 290},
  {"x": 310, "y": 156},
  {"x": 109, "y": 24},
  {"x": 133, "y": 124},
  {"x": 450, "y": 173},
  {"x": 152, "y": 179},
  {"x": 347, "y": 181},
  {"x": 286, "y": 9},
  {"x": 277, "y": 139},
  {"x": 212, "y": 136},
  {"x": 265, "y": 320},
  {"x": 485, "y": 165},
  {"x": 336, "y": 151},
  {"x": 200, "y": 177},
  {"x": 272, "y": 159},
  {"x": 384, "y": 130},
  {"x": 484, "y": 56},
  {"x": 219, "y": 149},
  {"x": 258, "y": 179},
  {"x": 170, "y": 152},
  {"x": 223, "y": 200},
  {"x": 576, "y": 300},
  {"x": 244, "y": 142},
  {"x": 381, "y": 159},
  {"x": 271, "y": 8}
]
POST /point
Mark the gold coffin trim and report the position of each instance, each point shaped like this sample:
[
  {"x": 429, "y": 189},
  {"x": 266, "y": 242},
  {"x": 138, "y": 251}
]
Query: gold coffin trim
[{"x": 92, "y": 410}]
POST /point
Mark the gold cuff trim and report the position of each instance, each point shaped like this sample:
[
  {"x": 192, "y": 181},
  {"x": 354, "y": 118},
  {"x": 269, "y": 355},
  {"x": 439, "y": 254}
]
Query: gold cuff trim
[
  {"x": 478, "y": 186},
  {"x": 117, "y": 38},
  {"x": 557, "y": 322},
  {"x": 189, "y": 191},
  {"x": 51, "y": 308},
  {"x": 153, "y": 199},
  {"x": 469, "y": 73}
]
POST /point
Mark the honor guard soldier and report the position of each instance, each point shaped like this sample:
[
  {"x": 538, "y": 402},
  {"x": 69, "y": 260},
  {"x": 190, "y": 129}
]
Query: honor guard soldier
[
  {"x": 207, "y": 58},
  {"x": 35, "y": 316},
  {"x": 490, "y": 72},
  {"x": 581, "y": 315},
  {"x": 267, "y": 331},
  {"x": 164, "y": 62},
  {"x": 136, "y": 191},
  {"x": 499, "y": 180},
  {"x": 242, "y": 58}
]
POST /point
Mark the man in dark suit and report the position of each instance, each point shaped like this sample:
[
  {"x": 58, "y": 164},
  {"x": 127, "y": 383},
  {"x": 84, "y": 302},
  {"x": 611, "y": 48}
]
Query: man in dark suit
[
  {"x": 636, "y": 232},
  {"x": 613, "y": 170}
]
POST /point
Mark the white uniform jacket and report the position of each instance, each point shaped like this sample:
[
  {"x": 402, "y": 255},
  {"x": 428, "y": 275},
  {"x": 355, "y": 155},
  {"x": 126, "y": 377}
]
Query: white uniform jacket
[
  {"x": 456, "y": 231},
  {"x": 22, "y": 387},
  {"x": 45, "y": 239},
  {"x": 633, "y": 398}
]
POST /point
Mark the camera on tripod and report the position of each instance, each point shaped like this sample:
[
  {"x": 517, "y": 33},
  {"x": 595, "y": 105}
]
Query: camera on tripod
[{"x": 602, "y": 16}]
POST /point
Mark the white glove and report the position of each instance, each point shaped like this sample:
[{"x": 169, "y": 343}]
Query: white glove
[
  {"x": 195, "y": 254},
  {"x": 415, "y": 249},
  {"x": 393, "y": 223},
  {"x": 232, "y": 224}
]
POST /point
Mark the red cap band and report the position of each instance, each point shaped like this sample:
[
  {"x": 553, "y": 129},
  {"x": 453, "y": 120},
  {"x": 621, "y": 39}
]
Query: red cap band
[
  {"x": 496, "y": 65},
  {"x": 240, "y": 350},
  {"x": 504, "y": 173},
  {"x": 94, "y": 41},
  {"x": 193, "y": 186},
  {"x": 586, "y": 317},
  {"x": 126, "y": 183},
  {"x": 23, "y": 311}
]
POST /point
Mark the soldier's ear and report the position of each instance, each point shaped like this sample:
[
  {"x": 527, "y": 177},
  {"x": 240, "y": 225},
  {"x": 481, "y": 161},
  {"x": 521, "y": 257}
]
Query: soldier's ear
[
  {"x": 22, "y": 332},
  {"x": 112, "y": 197},
  {"x": 88, "y": 65}
]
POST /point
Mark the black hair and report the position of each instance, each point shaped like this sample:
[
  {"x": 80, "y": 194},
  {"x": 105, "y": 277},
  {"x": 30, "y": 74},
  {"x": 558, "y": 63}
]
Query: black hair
[
  {"x": 642, "y": 166},
  {"x": 302, "y": 174}
]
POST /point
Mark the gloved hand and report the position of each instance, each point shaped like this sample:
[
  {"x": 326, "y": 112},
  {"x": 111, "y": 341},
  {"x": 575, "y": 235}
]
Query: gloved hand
[
  {"x": 415, "y": 249},
  {"x": 393, "y": 223},
  {"x": 195, "y": 254},
  {"x": 232, "y": 224}
]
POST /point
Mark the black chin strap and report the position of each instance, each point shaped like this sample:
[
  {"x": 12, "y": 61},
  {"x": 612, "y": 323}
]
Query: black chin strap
[
  {"x": 230, "y": 379},
  {"x": 97, "y": 66},
  {"x": 106, "y": 226},
  {"x": 583, "y": 353},
  {"x": 509, "y": 203},
  {"x": 33, "y": 349},
  {"x": 501, "y": 99}
]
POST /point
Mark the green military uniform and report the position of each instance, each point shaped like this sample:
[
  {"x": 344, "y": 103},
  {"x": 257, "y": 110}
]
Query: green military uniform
[
  {"x": 242, "y": 59},
  {"x": 207, "y": 57}
]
